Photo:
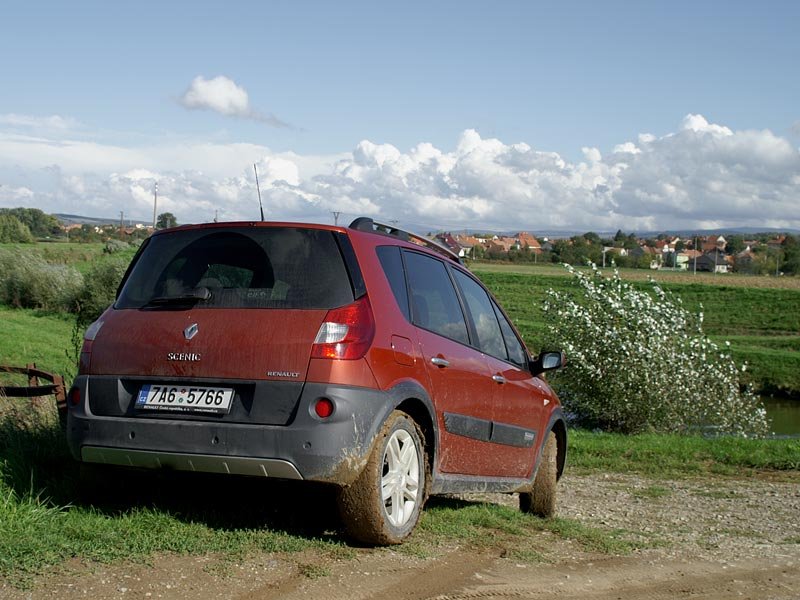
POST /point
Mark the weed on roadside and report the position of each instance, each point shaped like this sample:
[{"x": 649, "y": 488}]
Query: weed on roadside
[{"x": 652, "y": 492}]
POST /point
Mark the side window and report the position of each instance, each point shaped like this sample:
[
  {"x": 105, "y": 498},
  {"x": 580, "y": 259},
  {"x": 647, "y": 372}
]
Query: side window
[
  {"x": 490, "y": 339},
  {"x": 434, "y": 302},
  {"x": 392, "y": 265},
  {"x": 516, "y": 353}
]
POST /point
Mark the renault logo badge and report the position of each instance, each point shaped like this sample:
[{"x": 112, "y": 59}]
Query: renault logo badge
[{"x": 190, "y": 331}]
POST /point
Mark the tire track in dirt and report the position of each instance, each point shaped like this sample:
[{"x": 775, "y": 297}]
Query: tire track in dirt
[
  {"x": 630, "y": 578},
  {"x": 378, "y": 576}
]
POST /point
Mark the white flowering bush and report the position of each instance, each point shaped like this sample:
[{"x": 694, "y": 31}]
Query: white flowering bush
[{"x": 639, "y": 361}]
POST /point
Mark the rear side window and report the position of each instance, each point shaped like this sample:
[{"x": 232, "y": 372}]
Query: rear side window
[
  {"x": 516, "y": 353},
  {"x": 434, "y": 302},
  {"x": 245, "y": 267},
  {"x": 392, "y": 264},
  {"x": 490, "y": 338}
]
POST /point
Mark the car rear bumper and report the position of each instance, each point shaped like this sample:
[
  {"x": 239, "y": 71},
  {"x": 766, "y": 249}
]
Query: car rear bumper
[
  {"x": 332, "y": 450},
  {"x": 204, "y": 463}
]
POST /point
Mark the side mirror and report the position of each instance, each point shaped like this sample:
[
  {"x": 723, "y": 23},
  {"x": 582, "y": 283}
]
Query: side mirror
[{"x": 548, "y": 361}]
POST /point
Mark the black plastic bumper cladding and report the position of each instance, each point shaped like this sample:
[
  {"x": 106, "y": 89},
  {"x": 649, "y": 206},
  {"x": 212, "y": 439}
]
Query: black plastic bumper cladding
[
  {"x": 254, "y": 402},
  {"x": 331, "y": 450}
]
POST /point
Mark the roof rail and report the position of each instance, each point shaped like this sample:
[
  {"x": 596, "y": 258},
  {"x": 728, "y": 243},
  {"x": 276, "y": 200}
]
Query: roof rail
[{"x": 372, "y": 226}]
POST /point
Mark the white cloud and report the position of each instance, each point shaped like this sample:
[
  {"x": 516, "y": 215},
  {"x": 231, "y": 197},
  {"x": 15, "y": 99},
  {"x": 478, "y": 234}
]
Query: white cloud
[
  {"x": 35, "y": 122},
  {"x": 11, "y": 197},
  {"x": 704, "y": 174},
  {"x": 224, "y": 96},
  {"x": 626, "y": 148}
]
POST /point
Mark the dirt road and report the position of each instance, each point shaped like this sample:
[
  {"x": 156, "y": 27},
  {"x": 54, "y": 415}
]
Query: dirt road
[{"x": 711, "y": 538}]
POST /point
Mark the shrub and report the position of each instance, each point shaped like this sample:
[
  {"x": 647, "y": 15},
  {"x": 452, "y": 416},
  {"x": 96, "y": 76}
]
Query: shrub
[
  {"x": 28, "y": 281},
  {"x": 113, "y": 246},
  {"x": 99, "y": 289},
  {"x": 14, "y": 230},
  {"x": 639, "y": 361}
]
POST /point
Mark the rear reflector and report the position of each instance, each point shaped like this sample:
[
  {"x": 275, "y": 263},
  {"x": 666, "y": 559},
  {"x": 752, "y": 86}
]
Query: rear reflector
[
  {"x": 324, "y": 408},
  {"x": 346, "y": 333}
]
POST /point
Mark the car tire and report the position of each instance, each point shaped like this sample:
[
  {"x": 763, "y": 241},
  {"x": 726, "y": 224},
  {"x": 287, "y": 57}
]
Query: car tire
[
  {"x": 383, "y": 505},
  {"x": 541, "y": 500}
]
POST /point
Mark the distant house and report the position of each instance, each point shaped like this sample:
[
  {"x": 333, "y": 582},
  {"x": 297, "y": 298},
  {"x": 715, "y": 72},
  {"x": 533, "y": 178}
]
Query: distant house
[
  {"x": 502, "y": 245},
  {"x": 713, "y": 262},
  {"x": 642, "y": 250},
  {"x": 615, "y": 250},
  {"x": 447, "y": 240},
  {"x": 744, "y": 260},
  {"x": 776, "y": 243},
  {"x": 526, "y": 240},
  {"x": 714, "y": 242},
  {"x": 686, "y": 259}
]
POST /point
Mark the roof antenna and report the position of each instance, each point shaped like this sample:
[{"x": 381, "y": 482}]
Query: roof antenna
[{"x": 258, "y": 188}]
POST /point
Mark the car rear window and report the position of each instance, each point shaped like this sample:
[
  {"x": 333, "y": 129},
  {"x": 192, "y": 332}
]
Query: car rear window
[{"x": 247, "y": 267}]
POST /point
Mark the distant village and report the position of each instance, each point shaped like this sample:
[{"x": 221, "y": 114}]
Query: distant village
[{"x": 757, "y": 254}]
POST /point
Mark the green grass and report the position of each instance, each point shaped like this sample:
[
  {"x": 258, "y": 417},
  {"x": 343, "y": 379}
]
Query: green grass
[
  {"x": 29, "y": 336},
  {"x": 44, "y": 520},
  {"x": 446, "y": 520},
  {"x": 652, "y": 492},
  {"x": 679, "y": 456},
  {"x": 762, "y": 324},
  {"x": 80, "y": 256}
]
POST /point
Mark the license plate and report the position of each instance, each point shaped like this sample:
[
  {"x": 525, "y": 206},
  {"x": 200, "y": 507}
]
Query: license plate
[{"x": 185, "y": 398}]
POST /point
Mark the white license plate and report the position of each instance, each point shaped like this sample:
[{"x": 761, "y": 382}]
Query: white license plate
[{"x": 185, "y": 398}]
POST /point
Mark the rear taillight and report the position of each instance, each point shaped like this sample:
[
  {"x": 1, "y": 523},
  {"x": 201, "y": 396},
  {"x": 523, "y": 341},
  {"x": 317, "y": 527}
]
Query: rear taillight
[
  {"x": 74, "y": 397},
  {"x": 86, "y": 349},
  {"x": 346, "y": 333}
]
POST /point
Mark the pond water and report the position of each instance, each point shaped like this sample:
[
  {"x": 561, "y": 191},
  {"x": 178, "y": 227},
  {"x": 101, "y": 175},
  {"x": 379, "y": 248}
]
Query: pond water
[{"x": 784, "y": 414}]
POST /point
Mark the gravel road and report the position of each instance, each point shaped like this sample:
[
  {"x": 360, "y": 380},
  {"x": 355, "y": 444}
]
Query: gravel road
[{"x": 700, "y": 538}]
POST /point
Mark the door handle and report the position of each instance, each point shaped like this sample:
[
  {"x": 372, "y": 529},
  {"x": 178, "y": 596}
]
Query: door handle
[
  {"x": 440, "y": 362},
  {"x": 499, "y": 378}
]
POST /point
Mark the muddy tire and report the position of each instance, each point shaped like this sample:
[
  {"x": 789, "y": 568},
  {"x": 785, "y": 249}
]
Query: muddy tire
[
  {"x": 541, "y": 500},
  {"x": 382, "y": 506}
]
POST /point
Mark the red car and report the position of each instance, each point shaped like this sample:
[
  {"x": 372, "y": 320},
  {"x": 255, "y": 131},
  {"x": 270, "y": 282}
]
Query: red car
[{"x": 361, "y": 356}]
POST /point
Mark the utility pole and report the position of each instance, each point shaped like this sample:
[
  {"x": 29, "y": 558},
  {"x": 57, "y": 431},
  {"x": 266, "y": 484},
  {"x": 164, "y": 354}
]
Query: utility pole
[
  {"x": 121, "y": 223},
  {"x": 336, "y": 214},
  {"x": 155, "y": 204},
  {"x": 695, "y": 255}
]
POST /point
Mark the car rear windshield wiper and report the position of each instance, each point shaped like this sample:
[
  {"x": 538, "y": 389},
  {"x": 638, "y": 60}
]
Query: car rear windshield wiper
[{"x": 198, "y": 294}]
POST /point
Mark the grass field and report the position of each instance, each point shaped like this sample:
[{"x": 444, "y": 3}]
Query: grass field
[
  {"x": 45, "y": 520},
  {"x": 47, "y": 516},
  {"x": 760, "y": 316},
  {"x": 80, "y": 256},
  {"x": 762, "y": 323},
  {"x": 29, "y": 336}
]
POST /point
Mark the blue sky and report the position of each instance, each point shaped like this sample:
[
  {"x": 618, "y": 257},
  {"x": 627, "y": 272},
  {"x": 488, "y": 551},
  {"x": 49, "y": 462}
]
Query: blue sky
[{"x": 362, "y": 84}]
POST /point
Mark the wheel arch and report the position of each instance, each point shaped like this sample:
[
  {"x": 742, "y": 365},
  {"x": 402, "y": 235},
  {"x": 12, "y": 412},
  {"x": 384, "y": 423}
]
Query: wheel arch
[
  {"x": 420, "y": 413},
  {"x": 559, "y": 427}
]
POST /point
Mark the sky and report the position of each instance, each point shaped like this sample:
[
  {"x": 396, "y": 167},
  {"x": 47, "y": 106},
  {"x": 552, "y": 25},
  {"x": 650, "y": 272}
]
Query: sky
[{"x": 646, "y": 116}]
